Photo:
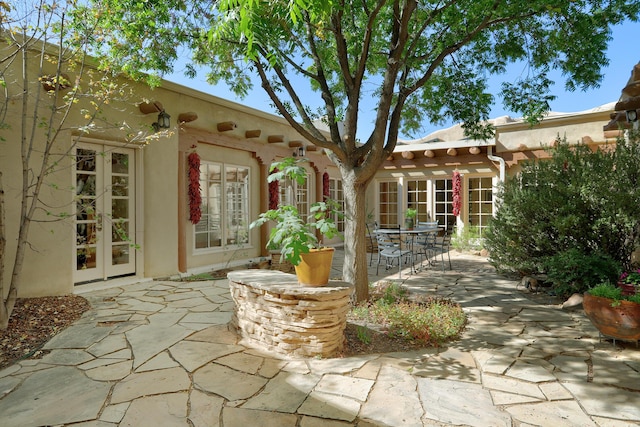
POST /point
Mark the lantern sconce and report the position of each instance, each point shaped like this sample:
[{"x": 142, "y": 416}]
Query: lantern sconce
[
  {"x": 298, "y": 152},
  {"x": 632, "y": 115},
  {"x": 163, "y": 121}
]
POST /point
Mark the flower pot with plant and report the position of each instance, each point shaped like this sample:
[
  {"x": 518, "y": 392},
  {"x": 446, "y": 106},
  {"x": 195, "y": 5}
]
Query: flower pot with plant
[
  {"x": 614, "y": 314},
  {"x": 294, "y": 235},
  {"x": 410, "y": 218},
  {"x": 629, "y": 282}
]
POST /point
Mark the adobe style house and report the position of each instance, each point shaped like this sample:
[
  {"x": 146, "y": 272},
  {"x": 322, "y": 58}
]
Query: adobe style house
[
  {"x": 117, "y": 207},
  {"x": 122, "y": 207},
  {"x": 419, "y": 174}
]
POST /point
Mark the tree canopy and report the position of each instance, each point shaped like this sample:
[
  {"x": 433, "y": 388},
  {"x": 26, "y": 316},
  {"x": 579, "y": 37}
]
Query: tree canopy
[
  {"x": 426, "y": 60},
  {"x": 410, "y": 61}
]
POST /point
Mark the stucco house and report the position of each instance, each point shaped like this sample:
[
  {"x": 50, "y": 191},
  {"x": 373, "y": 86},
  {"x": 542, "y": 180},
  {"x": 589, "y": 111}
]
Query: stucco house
[
  {"x": 129, "y": 203},
  {"x": 117, "y": 208},
  {"x": 419, "y": 174}
]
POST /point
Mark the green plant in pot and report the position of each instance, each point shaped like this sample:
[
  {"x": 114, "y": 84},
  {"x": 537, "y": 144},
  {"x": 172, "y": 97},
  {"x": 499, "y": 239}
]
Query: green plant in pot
[
  {"x": 410, "y": 218},
  {"x": 294, "y": 235},
  {"x": 629, "y": 282},
  {"x": 613, "y": 312}
]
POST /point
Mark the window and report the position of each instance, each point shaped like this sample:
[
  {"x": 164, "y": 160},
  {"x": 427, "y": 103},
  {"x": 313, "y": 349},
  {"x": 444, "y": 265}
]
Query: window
[
  {"x": 480, "y": 202},
  {"x": 336, "y": 193},
  {"x": 443, "y": 203},
  {"x": 417, "y": 198},
  {"x": 225, "y": 209},
  {"x": 291, "y": 193},
  {"x": 388, "y": 203}
]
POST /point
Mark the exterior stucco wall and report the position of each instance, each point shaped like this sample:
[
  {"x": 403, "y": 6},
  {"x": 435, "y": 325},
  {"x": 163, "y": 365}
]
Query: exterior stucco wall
[{"x": 159, "y": 247}]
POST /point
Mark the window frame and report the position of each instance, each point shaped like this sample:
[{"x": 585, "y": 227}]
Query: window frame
[
  {"x": 336, "y": 193},
  {"x": 225, "y": 231}
]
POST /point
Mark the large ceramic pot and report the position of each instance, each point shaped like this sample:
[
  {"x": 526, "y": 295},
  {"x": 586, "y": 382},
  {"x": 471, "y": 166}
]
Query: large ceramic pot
[
  {"x": 315, "y": 267},
  {"x": 621, "y": 321}
]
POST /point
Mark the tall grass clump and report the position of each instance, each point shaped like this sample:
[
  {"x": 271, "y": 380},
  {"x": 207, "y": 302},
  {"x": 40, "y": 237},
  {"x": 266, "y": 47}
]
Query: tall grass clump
[{"x": 429, "y": 321}]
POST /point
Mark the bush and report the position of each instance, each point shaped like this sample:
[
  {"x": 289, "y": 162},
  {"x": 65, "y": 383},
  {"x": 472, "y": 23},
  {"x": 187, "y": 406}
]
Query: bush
[
  {"x": 572, "y": 271},
  {"x": 578, "y": 199},
  {"x": 469, "y": 238}
]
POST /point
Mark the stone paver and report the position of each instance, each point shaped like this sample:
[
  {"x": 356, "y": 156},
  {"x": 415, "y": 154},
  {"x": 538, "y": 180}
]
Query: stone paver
[
  {"x": 460, "y": 403},
  {"x": 161, "y": 353},
  {"x": 58, "y": 395}
]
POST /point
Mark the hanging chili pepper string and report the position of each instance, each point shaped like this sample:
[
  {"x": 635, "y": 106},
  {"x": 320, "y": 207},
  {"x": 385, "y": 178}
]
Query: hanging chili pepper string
[
  {"x": 325, "y": 186},
  {"x": 457, "y": 193},
  {"x": 274, "y": 193},
  {"x": 195, "y": 198}
]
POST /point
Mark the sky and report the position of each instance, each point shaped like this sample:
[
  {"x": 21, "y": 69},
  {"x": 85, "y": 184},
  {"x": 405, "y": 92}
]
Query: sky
[{"x": 623, "y": 54}]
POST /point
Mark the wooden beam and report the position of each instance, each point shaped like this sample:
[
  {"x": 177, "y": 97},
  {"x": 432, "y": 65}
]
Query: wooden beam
[
  {"x": 408, "y": 155},
  {"x": 632, "y": 89},
  {"x": 587, "y": 139},
  {"x": 613, "y": 133},
  {"x": 150, "y": 107},
  {"x": 254, "y": 133},
  {"x": 452, "y": 152},
  {"x": 272, "y": 139},
  {"x": 187, "y": 117},
  {"x": 226, "y": 126},
  {"x": 474, "y": 150},
  {"x": 429, "y": 153},
  {"x": 295, "y": 144},
  {"x": 632, "y": 103}
]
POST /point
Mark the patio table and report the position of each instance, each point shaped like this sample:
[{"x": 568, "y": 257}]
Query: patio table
[{"x": 406, "y": 246}]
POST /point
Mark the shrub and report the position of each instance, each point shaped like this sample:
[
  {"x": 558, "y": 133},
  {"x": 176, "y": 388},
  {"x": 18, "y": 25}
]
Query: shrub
[
  {"x": 573, "y": 271},
  {"x": 469, "y": 238},
  {"x": 578, "y": 199}
]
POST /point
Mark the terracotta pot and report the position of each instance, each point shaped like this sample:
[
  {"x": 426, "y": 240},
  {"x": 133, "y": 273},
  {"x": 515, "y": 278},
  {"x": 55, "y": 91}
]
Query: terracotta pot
[
  {"x": 315, "y": 267},
  {"x": 620, "y": 322}
]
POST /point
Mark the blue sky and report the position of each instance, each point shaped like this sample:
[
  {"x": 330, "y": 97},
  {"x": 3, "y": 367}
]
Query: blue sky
[{"x": 623, "y": 54}]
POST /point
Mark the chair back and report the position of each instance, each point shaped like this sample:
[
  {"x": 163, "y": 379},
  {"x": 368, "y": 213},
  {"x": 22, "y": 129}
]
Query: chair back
[
  {"x": 372, "y": 242},
  {"x": 389, "y": 239},
  {"x": 446, "y": 240}
]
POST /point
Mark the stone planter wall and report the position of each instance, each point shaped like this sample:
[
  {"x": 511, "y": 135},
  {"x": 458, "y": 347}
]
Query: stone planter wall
[{"x": 273, "y": 312}]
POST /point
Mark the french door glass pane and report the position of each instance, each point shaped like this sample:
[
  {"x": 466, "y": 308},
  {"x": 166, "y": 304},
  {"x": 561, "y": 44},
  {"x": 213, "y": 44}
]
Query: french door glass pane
[
  {"x": 120, "y": 254},
  {"x": 86, "y": 258}
]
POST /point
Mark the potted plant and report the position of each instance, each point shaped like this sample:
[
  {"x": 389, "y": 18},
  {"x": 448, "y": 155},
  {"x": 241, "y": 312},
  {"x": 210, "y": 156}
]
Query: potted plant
[
  {"x": 629, "y": 282},
  {"x": 410, "y": 218},
  {"x": 295, "y": 236},
  {"x": 613, "y": 313}
]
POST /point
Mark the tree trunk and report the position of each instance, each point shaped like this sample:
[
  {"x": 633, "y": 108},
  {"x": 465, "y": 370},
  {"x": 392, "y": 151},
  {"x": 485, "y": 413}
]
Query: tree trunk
[
  {"x": 7, "y": 304},
  {"x": 355, "y": 237}
]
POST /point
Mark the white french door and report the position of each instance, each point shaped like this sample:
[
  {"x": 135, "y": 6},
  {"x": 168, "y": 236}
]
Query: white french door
[{"x": 104, "y": 179}]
